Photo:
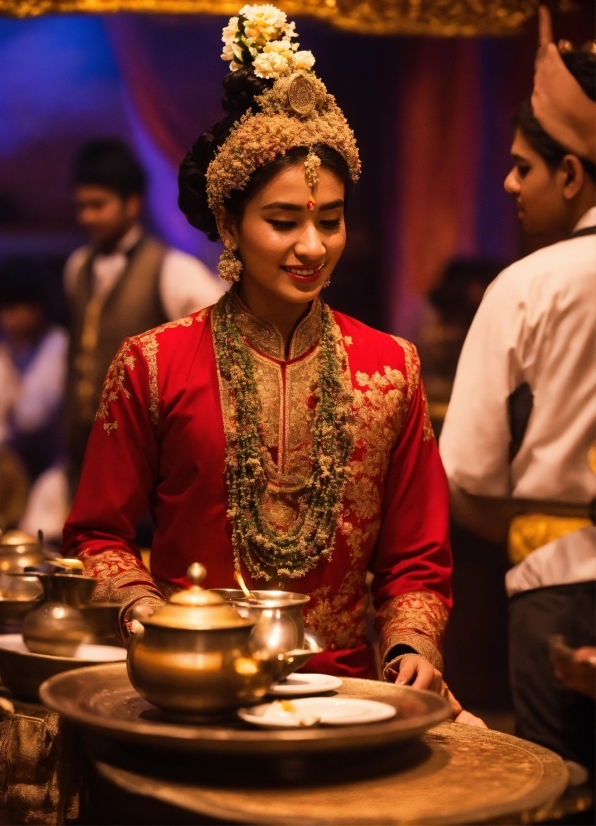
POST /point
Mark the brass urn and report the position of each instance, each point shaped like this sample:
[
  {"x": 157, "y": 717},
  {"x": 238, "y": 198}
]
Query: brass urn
[{"x": 195, "y": 658}]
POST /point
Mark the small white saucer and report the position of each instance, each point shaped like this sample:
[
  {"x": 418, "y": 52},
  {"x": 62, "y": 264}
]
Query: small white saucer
[
  {"x": 332, "y": 711},
  {"x": 299, "y": 685}
]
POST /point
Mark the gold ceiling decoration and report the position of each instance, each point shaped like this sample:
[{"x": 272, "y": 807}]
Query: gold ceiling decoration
[{"x": 443, "y": 18}]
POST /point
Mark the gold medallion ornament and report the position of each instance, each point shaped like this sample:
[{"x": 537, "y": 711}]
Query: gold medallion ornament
[
  {"x": 301, "y": 96},
  {"x": 297, "y": 111}
]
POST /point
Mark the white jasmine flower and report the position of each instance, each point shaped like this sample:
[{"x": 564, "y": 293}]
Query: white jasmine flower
[
  {"x": 229, "y": 32},
  {"x": 281, "y": 47},
  {"x": 290, "y": 30},
  {"x": 270, "y": 65},
  {"x": 303, "y": 60},
  {"x": 265, "y": 16},
  {"x": 228, "y": 52}
]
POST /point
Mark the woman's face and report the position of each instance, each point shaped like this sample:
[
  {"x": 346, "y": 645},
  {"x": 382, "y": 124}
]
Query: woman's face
[
  {"x": 538, "y": 190},
  {"x": 288, "y": 251}
]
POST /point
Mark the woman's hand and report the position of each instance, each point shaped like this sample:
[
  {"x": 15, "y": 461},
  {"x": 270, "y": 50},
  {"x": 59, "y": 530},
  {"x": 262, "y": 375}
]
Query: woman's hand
[{"x": 418, "y": 672}]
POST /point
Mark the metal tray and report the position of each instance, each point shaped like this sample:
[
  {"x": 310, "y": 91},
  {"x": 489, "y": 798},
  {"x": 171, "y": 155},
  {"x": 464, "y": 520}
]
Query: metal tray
[
  {"x": 23, "y": 672},
  {"x": 102, "y": 699}
]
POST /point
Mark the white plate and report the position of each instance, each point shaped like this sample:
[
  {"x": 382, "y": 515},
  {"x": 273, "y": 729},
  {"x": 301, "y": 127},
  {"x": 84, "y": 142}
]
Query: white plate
[
  {"x": 298, "y": 685},
  {"x": 333, "y": 711}
]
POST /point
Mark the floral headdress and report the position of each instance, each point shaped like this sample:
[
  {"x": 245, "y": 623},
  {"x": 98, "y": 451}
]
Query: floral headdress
[{"x": 296, "y": 111}]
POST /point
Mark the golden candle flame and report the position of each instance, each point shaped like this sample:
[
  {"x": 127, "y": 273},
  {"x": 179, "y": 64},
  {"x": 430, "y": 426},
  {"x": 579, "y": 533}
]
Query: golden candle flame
[{"x": 242, "y": 584}]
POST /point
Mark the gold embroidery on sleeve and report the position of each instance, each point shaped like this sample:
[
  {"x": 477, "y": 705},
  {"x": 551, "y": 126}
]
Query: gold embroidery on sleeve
[
  {"x": 412, "y": 364},
  {"x": 150, "y": 346},
  {"x": 116, "y": 377},
  {"x": 417, "y": 619},
  {"x": 113, "y": 384},
  {"x": 428, "y": 434}
]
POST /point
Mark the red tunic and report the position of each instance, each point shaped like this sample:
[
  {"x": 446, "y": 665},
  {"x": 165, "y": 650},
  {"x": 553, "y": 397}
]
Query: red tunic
[{"x": 159, "y": 443}]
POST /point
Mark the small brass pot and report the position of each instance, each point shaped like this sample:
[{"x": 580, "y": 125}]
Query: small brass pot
[
  {"x": 54, "y": 629},
  {"x": 72, "y": 589},
  {"x": 195, "y": 659},
  {"x": 19, "y": 550},
  {"x": 18, "y": 596}
]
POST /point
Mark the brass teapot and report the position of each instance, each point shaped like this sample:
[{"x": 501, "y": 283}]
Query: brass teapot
[{"x": 195, "y": 658}]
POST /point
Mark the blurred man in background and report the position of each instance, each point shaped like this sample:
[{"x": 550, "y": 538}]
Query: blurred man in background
[
  {"x": 122, "y": 284},
  {"x": 33, "y": 353},
  {"x": 32, "y": 378},
  {"x": 521, "y": 424}
]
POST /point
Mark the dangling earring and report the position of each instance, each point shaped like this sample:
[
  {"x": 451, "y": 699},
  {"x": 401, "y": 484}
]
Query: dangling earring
[
  {"x": 229, "y": 266},
  {"x": 326, "y": 284}
]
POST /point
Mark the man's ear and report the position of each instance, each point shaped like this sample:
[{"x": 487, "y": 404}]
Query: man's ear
[
  {"x": 574, "y": 176},
  {"x": 226, "y": 226},
  {"x": 133, "y": 206}
]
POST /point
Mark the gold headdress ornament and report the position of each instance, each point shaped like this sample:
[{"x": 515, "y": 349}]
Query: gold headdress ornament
[{"x": 296, "y": 111}]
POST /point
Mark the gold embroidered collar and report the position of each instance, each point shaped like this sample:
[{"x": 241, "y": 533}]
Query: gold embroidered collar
[{"x": 265, "y": 337}]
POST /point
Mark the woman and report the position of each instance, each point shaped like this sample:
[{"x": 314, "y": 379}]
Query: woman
[{"x": 269, "y": 435}]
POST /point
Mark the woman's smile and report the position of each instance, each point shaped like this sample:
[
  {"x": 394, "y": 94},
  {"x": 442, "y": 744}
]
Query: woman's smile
[{"x": 304, "y": 275}]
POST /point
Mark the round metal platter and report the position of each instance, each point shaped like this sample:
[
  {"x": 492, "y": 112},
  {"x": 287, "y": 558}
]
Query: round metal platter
[{"x": 102, "y": 699}]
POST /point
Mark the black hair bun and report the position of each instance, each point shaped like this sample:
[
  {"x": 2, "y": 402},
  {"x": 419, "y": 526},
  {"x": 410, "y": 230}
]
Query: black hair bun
[{"x": 240, "y": 89}]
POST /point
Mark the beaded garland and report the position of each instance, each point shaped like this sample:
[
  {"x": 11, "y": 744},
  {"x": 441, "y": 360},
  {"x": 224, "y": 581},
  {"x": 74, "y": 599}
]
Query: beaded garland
[{"x": 263, "y": 550}]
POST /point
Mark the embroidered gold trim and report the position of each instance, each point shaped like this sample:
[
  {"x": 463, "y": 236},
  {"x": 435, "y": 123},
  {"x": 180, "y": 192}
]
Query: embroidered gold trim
[
  {"x": 113, "y": 385},
  {"x": 114, "y": 382},
  {"x": 412, "y": 364},
  {"x": 264, "y": 336},
  {"x": 150, "y": 347},
  {"x": 417, "y": 619}
]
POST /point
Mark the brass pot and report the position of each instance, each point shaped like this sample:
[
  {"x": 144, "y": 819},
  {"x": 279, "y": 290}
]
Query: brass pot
[
  {"x": 19, "y": 550},
  {"x": 72, "y": 589},
  {"x": 18, "y": 596},
  {"x": 195, "y": 659},
  {"x": 54, "y": 629},
  {"x": 279, "y": 628}
]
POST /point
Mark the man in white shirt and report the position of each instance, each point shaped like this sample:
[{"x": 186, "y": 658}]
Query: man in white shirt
[
  {"x": 522, "y": 423},
  {"x": 123, "y": 283}
]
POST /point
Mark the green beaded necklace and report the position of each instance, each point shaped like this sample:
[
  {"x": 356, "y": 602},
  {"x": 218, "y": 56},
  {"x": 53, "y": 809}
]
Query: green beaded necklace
[{"x": 265, "y": 551}]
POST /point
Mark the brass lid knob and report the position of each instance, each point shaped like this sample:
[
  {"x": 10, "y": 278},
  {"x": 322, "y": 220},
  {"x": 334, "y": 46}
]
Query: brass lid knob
[
  {"x": 196, "y": 608},
  {"x": 195, "y": 595}
]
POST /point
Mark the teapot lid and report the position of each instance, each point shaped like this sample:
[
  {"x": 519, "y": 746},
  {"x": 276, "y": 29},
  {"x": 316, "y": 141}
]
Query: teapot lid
[
  {"x": 17, "y": 538},
  {"x": 197, "y": 609}
]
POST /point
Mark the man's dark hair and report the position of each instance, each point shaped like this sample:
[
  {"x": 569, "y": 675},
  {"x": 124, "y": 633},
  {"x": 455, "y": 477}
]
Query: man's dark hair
[
  {"x": 582, "y": 66},
  {"x": 109, "y": 162}
]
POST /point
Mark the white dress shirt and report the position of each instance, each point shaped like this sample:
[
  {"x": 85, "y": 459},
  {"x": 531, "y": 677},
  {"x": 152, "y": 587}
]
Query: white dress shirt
[
  {"x": 28, "y": 402},
  {"x": 536, "y": 324},
  {"x": 185, "y": 283}
]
